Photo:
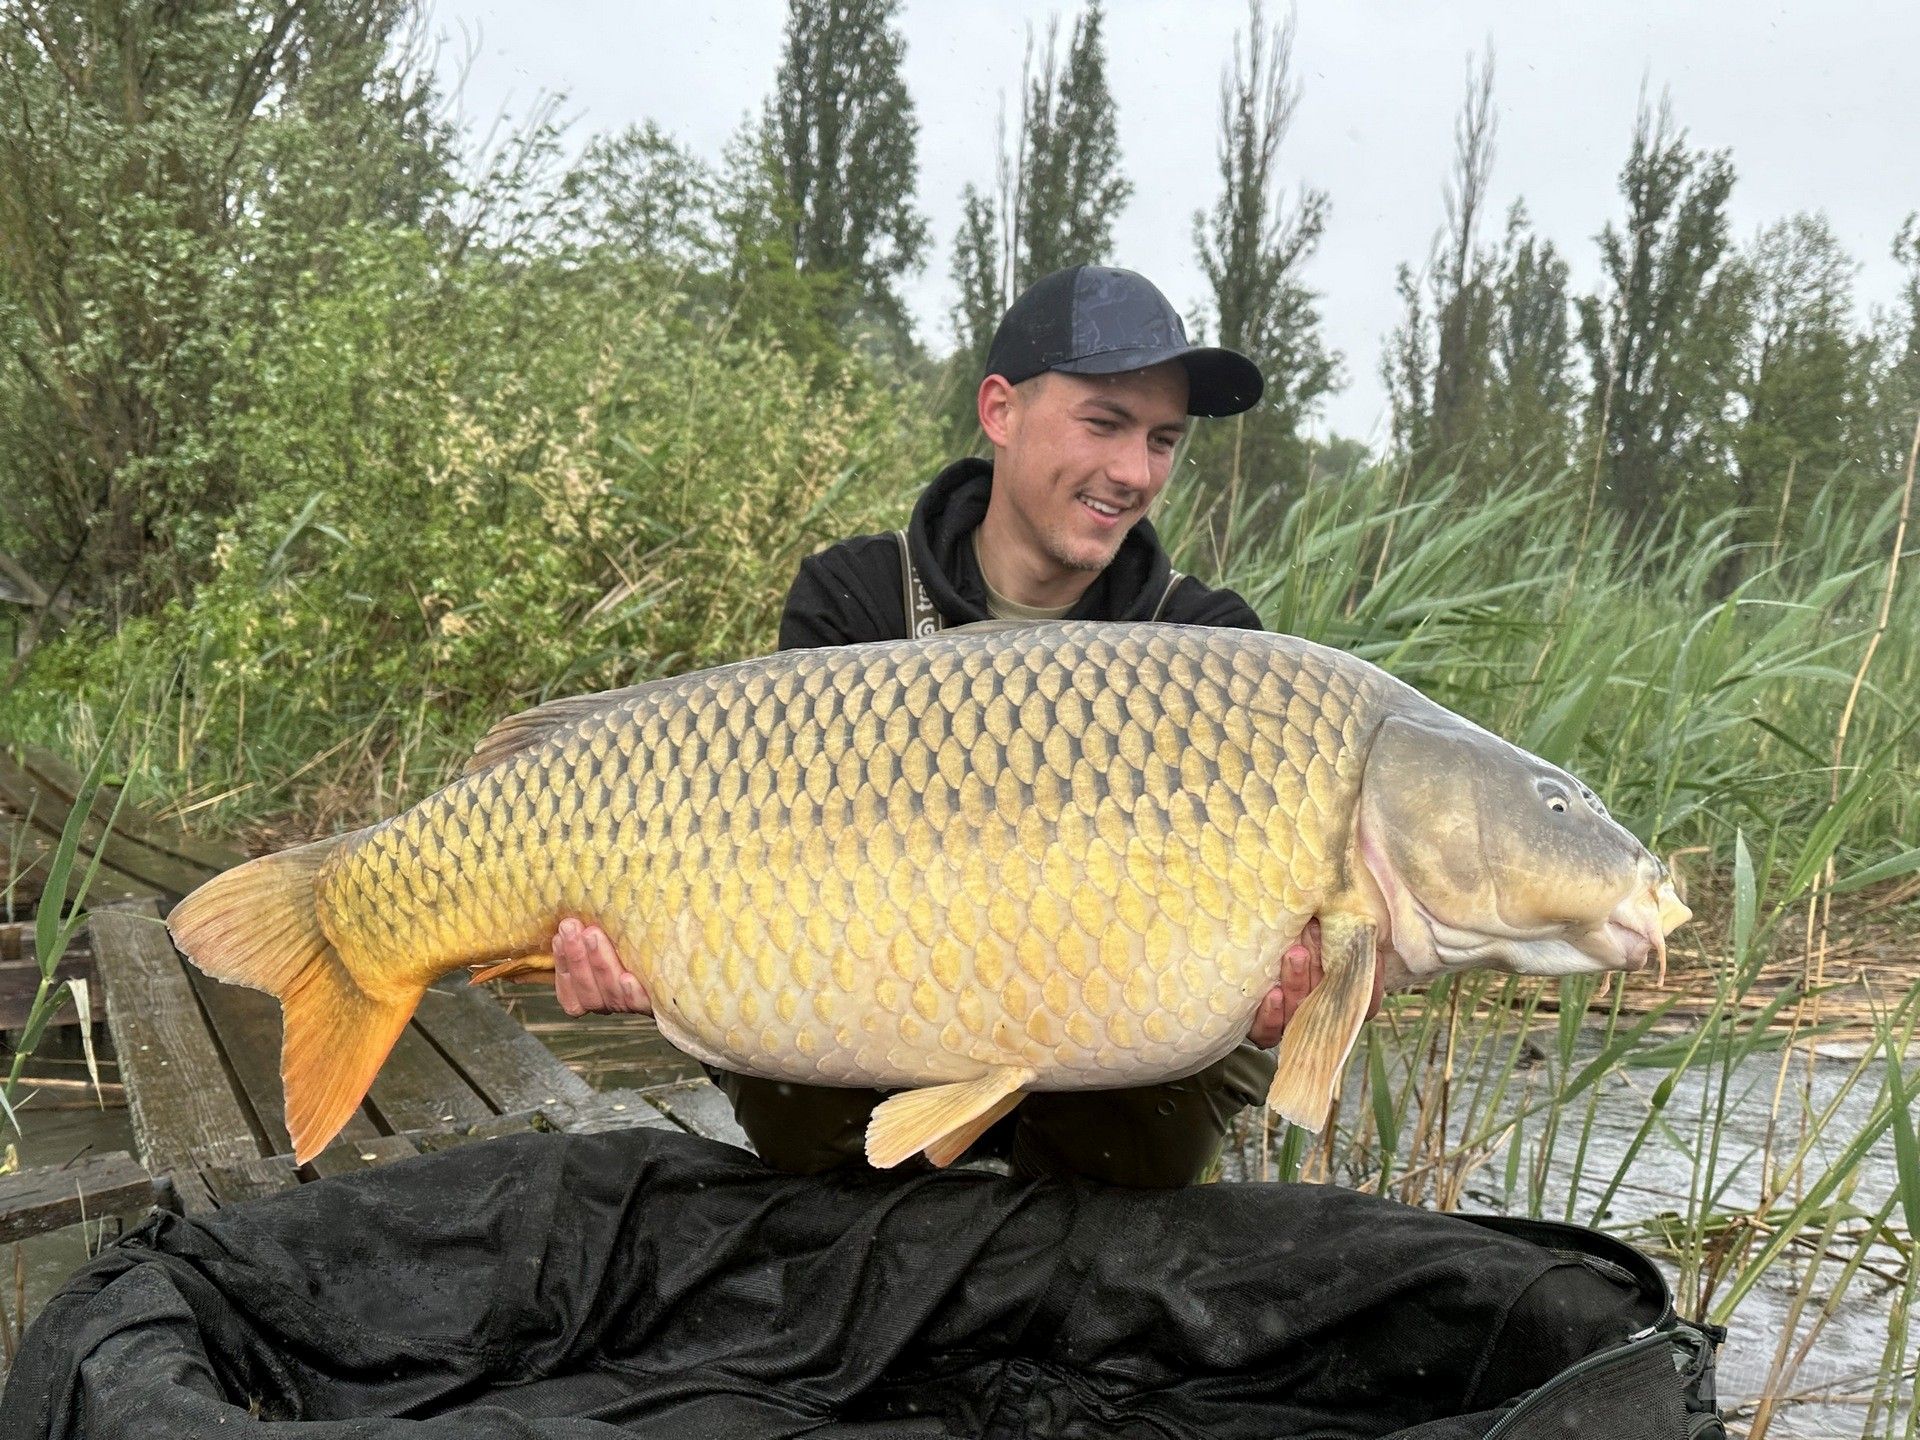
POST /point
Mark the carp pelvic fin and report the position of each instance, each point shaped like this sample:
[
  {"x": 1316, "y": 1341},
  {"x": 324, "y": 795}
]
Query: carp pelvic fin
[
  {"x": 530, "y": 727},
  {"x": 257, "y": 925},
  {"x": 1314, "y": 1048},
  {"x": 942, "y": 1120},
  {"x": 522, "y": 970}
]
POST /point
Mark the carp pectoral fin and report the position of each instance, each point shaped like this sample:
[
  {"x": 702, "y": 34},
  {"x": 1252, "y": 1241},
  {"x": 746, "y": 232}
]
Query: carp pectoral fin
[
  {"x": 523, "y": 969},
  {"x": 942, "y": 1119},
  {"x": 1317, "y": 1040}
]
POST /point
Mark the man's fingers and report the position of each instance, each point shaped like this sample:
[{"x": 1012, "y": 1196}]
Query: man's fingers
[
  {"x": 1269, "y": 1020},
  {"x": 623, "y": 990},
  {"x": 589, "y": 987}
]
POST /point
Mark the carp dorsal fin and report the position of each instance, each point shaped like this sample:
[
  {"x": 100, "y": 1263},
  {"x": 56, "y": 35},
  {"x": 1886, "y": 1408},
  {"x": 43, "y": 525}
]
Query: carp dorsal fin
[
  {"x": 980, "y": 626},
  {"x": 530, "y": 727}
]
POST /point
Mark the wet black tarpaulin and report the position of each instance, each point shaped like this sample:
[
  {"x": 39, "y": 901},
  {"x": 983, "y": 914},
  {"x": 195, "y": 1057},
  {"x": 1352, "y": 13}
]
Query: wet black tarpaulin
[{"x": 648, "y": 1283}]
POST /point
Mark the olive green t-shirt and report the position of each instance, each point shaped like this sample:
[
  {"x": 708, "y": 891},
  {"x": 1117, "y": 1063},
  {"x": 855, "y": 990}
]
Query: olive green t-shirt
[{"x": 1001, "y": 608}]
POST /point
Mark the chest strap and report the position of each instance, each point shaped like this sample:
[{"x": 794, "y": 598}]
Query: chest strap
[{"x": 924, "y": 618}]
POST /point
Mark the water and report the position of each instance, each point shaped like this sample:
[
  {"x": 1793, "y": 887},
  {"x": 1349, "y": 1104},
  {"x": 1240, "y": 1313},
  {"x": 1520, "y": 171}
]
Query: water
[
  {"x": 54, "y": 1137},
  {"x": 1846, "y": 1357}
]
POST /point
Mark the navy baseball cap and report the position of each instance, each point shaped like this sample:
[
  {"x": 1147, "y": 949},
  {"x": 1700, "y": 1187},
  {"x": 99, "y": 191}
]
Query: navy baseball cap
[{"x": 1098, "y": 320}]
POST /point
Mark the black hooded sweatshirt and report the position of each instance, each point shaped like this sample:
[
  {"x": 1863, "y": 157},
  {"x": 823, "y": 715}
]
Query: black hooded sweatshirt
[{"x": 851, "y": 592}]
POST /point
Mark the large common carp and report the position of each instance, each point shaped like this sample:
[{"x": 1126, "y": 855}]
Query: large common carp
[{"x": 1008, "y": 858}]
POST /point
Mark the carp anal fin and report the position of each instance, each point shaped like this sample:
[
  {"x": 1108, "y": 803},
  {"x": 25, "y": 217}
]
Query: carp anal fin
[
  {"x": 1319, "y": 1037},
  {"x": 258, "y": 925},
  {"x": 521, "y": 970},
  {"x": 530, "y": 727},
  {"x": 942, "y": 1119}
]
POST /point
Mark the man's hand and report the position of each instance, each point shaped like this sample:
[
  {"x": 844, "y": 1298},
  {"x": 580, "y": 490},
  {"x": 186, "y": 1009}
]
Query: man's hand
[
  {"x": 588, "y": 977},
  {"x": 1299, "y": 972}
]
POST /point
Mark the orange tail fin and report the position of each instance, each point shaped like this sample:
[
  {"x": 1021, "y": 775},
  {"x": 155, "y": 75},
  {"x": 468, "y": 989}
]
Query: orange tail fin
[{"x": 257, "y": 925}]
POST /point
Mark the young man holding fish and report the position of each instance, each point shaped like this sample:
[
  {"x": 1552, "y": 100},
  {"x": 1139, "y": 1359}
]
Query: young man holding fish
[{"x": 1089, "y": 389}]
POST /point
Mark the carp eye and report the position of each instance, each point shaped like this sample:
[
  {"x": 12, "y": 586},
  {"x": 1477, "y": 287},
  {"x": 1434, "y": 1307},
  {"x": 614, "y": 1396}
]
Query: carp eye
[{"x": 1556, "y": 798}]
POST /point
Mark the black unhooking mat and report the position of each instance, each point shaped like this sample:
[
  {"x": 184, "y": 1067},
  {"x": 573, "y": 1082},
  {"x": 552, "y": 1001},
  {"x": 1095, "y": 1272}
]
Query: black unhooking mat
[{"x": 648, "y": 1283}]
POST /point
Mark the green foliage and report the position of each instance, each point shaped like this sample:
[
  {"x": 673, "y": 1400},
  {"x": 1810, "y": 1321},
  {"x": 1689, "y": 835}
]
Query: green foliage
[
  {"x": 843, "y": 129},
  {"x": 1691, "y": 712},
  {"x": 1252, "y": 250},
  {"x": 162, "y": 173},
  {"x": 1663, "y": 337},
  {"x": 469, "y": 489}
]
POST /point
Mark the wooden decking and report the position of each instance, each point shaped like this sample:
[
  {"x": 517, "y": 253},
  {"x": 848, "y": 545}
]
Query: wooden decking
[
  {"x": 201, "y": 1064},
  {"x": 200, "y": 1060}
]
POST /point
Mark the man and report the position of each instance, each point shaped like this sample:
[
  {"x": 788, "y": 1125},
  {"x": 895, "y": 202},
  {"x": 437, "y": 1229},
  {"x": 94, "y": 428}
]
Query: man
[{"x": 1089, "y": 386}]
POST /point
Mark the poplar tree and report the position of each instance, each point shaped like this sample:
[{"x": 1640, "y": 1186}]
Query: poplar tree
[
  {"x": 1069, "y": 189},
  {"x": 1437, "y": 367},
  {"x": 1253, "y": 246},
  {"x": 842, "y": 128},
  {"x": 1529, "y": 417},
  {"x": 1663, "y": 336},
  {"x": 1886, "y": 427},
  {"x": 1802, "y": 371},
  {"x": 1057, "y": 192}
]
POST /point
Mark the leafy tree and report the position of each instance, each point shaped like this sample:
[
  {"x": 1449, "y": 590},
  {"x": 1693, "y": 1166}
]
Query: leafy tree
[
  {"x": 842, "y": 131},
  {"x": 1532, "y": 392},
  {"x": 644, "y": 196},
  {"x": 1070, "y": 190},
  {"x": 1253, "y": 247},
  {"x": 1663, "y": 338},
  {"x": 1437, "y": 367},
  {"x": 1802, "y": 371},
  {"x": 167, "y": 177}
]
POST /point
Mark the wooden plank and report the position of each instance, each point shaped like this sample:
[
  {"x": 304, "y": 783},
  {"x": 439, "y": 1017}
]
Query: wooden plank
[
  {"x": 700, "y": 1106},
  {"x": 157, "y": 870},
  {"x": 51, "y": 1197},
  {"x": 20, "y": 981},
  {"x": 351, "y": 1152},
  {"x": 500, "y": 1059},
  {"x": 186, "y": 1114},
  {"x": 417, "y": 1089},
  {"x": 614, "y": 1110},
  {"x": 247, "y": 1025},
  {"x": 250, "y": 1179},
  {"x": 55, "y": 776}
]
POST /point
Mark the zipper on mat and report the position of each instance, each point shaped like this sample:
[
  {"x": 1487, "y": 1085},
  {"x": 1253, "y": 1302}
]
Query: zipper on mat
[{"x": 1509, "y": 1426}]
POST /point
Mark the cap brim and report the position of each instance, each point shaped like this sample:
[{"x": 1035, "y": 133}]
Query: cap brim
[{"x": 1219, "y": 381}]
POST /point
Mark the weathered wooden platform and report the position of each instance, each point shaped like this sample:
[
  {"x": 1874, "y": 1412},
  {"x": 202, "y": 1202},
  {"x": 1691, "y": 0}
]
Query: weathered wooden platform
[
  {"x": 200, "y": 1061},
  {"x": 139, "y": 856}
]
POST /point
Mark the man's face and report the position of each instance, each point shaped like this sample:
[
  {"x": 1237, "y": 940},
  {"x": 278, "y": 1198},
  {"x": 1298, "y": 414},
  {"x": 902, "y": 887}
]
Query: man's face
[{"x": 1081, "y": 457}]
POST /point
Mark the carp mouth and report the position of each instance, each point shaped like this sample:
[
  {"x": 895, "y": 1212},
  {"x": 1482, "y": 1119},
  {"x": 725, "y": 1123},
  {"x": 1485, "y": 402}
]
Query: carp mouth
[{"x": 1630, "y": 937}]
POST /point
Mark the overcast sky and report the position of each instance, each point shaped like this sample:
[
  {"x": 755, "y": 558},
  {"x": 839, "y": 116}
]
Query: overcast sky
[{"x": 1815, "y": 100}]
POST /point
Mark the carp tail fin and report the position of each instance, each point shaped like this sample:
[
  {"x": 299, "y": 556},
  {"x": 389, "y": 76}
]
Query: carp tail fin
[
  {"x": 258, "y": 925},
  {"x": 1317, "y": 1041}
]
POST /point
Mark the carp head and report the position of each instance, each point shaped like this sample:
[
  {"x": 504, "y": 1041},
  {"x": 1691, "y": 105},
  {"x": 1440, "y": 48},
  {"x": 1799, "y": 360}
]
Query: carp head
[{"x": 1487, "y": 856}]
